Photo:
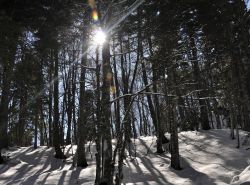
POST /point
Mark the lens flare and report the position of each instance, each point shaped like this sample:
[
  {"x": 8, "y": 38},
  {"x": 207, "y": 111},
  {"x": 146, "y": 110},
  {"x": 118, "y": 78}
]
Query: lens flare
[
  {"x": 109, "y": 76},
  {"x": 95, "y": 15},
  {"x": 91, "y": 3},
  {"x": 112, "y": 89}
]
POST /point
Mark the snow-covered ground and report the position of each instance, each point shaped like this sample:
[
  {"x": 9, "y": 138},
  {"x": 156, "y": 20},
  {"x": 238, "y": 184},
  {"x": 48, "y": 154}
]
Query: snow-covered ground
[{"x": 207, "y": 158}]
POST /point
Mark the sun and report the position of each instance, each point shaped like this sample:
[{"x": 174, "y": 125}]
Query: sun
[{"x": 99, "y": 37}]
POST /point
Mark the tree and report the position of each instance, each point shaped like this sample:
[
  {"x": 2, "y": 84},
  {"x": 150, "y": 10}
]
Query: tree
[
  {"x": 56, "y": 137},
  {"x": 82, "y": 121},
  {"x": 9, "y": 38}
]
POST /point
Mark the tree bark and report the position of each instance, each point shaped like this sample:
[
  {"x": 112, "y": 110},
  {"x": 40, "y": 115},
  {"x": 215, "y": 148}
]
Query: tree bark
[
  {"x": 7, "y": 70},
  {"x": 81, "y": 132},
  {"x": 22, "y": 116},
  {"x": 56, "y": 128},
  {"x": 98, "y": 121},
  {"x": 117, "y": 94},
  {"x": 107, "y": 174},
  {"x": 196, "y": 71},
  {"x": 50, "y": 101},
  {"x": 174, "y": 143}
]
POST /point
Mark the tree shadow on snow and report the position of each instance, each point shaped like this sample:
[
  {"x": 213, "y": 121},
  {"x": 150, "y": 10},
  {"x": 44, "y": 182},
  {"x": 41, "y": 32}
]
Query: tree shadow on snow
[
  {"x": 135, "y": 173},
  {"x": 8, "y": 165},
  {"x": 229, "y": 158},
  {"x": 193, "y": 175},
  {"x": 36, "y": 163}
]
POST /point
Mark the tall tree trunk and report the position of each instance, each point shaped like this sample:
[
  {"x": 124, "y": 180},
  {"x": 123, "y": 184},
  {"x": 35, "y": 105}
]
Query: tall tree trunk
[
  {"x": 196, "y": 71},
  {"x": 81, "y": 132},
  {"x": 56, "y": 125},
  {"x": 117, "y": 94},
  {"x": 7, "y": 70},
  {"x": 174, "y": 143},
  {"x": 175, "y": 156},
  {"x": 69, "y": 103},
  {"x": 152, "y": 109},
  {"x": 74, "y": 138},
  {"x": 9, "y": 37},
  {"x": 126, "y": 99},
  {"x": 160, "y": 133},
  {"x": 107, "y": 173},
  {"x": 22, "y": 116},
  {"x": 61, "y": 127},
  {"x": 98, "y": 121},
  {"x": 50, "y": 102},
  {"x": 156, "y": 70},
  {"x": 36, "y": 119},
  {"x": 140, "y": 119},
  {"x": 145, "y": 121},
  {"x": 69, "y": 115},
  {"x": 42, "y": 127}
]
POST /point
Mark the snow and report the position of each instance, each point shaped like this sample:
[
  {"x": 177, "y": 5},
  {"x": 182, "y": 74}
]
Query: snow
[
  {"x": 243, "y": 178},
  {"x": 207, "y": 158}
]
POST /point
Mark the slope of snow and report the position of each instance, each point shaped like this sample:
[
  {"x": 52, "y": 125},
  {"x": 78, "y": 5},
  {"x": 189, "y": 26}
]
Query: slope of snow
[
  {"x": 243, "y": 178},
  {"x": 207, "y": 158}
]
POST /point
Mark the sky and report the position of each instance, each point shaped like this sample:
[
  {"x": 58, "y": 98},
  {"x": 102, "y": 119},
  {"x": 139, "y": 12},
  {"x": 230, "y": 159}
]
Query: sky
[{"x": 248, "y": 4}]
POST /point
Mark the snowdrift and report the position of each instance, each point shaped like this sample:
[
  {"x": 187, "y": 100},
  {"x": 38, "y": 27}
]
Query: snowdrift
[{"x": 207, "y": 158}]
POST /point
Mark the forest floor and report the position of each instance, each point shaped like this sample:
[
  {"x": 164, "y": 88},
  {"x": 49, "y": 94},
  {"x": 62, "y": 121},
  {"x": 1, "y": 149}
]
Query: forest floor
[{"x": 207, "y": 158}]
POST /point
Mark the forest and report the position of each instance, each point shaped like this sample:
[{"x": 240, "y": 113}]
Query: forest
[{"x": 88, "y": 84}]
